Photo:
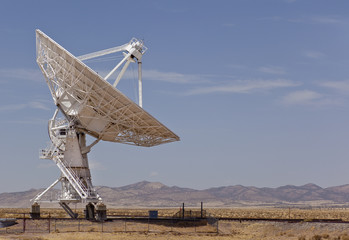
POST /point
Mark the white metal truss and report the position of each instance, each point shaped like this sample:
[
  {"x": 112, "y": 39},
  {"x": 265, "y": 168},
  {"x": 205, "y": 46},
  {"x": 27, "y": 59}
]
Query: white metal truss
[
  {"x": 93, "y": 104},
  {"x": 75, "y": 174}
]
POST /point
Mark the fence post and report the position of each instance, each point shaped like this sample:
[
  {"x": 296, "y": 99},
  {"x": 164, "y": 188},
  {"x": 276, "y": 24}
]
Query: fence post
[
  {"x": 24, "y": 224},
  {"x": 202, "y": 209},
  {"x": 49, "y": 223},
  {"x": 183, "y": 211},
  {"x": 125, "y": 225}
]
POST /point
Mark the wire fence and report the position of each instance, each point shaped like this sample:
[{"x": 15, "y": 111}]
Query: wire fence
[{"x": 48, "y": 225}]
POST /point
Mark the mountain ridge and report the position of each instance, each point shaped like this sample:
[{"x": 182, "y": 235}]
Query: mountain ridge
[{"x": 147, "y": 194}]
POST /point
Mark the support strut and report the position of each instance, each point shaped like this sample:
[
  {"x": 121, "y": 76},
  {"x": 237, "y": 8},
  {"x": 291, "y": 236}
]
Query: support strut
[{"x": 68, "y": 210}]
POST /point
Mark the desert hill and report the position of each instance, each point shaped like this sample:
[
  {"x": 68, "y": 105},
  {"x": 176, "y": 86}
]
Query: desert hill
[{"x": 157, "y": 195}]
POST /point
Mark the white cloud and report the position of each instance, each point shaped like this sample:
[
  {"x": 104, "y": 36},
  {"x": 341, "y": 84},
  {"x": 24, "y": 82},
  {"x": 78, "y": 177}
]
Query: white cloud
[
  {"x": 342, "y": 86},
  {"x": 13, "y": 107},
  {"x": 308, "y": 97},
  {"x": 245, "y": 86},
  {"x": 171, "y": 77},
  {"x": 174, "y": 77},
  {"x": 301, "y": 97},
  {"x": 38, "y": 105},
  {"x": 20, "y": 106},
  {"x": 314, "y": 54},
  {"x": 327, "y": 19},
  {"x": 320, "y": 20},
  {"x": 30, "y": 121},
  {"x": 94, "y": 165},
  {"x": 21, "y": 73},
  {"x": 153, "y": 174},
  {"x": 272, "y": 70}
]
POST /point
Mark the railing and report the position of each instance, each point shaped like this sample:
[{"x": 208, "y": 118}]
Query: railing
[
  {"x": 49, "y": 152},
  {"x": 52, "y": 152},
  {"x": 72, "y": 178}
]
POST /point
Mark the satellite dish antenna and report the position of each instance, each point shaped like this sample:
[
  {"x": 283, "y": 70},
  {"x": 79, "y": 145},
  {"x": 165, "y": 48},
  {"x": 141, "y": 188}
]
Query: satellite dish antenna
[{"x": 90, "y": 105}]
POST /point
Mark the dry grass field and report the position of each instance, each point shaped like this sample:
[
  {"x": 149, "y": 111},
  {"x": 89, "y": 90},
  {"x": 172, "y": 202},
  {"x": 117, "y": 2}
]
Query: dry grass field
[
  {"x": 227, "y": 229},
  {"x": 285, "y": 213}
]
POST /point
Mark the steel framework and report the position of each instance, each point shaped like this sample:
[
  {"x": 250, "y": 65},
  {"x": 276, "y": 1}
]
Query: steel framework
[{"x": 91, "y": 105}]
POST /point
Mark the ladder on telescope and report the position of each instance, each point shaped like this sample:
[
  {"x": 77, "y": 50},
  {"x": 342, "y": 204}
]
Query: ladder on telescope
[{"x": 53, "y": 153}]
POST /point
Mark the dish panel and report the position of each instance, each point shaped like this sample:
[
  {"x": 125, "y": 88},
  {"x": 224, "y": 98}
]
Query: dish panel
[{"x": 93, "y": 104}]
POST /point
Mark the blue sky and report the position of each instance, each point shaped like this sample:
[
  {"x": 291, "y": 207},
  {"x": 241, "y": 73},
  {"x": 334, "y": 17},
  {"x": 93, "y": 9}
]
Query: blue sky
[{"x": 258, "y": 91}]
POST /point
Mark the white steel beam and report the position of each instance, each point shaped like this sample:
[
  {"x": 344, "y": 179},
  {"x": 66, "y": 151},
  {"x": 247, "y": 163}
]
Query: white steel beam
[
  {"x": 117, "y": 66},
  {"x": 103, "y": 52},
  {"x": 38, "y": 197},
  {"x": 122, "y": 72},
  {"x": 140, "y": 84}
]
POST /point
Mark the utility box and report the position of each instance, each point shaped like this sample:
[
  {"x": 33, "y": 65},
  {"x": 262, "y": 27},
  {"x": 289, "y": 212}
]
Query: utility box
[{"x": 153, "y": 214}]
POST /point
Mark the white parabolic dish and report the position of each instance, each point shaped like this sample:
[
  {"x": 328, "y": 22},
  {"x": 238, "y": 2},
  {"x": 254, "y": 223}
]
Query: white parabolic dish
[{"x": 93, "y": 104}]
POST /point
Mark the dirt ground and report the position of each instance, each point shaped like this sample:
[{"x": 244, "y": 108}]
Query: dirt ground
[{"x": 227, "y": 230}]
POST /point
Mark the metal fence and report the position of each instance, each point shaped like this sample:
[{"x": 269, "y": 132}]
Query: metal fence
[{"x": 59, "y": 225}]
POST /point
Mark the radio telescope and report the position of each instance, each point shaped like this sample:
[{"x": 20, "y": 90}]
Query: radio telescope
[{"x": 90, "y": 105}]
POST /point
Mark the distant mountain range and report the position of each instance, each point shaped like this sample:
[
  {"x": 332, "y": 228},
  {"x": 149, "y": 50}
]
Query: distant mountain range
[{"x": 157, "y": 195}]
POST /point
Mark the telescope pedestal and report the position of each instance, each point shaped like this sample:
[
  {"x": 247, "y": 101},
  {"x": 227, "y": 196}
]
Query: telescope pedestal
[
  {"x": 69, "y": 152},
  {"x": 35, "y": 211}
]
